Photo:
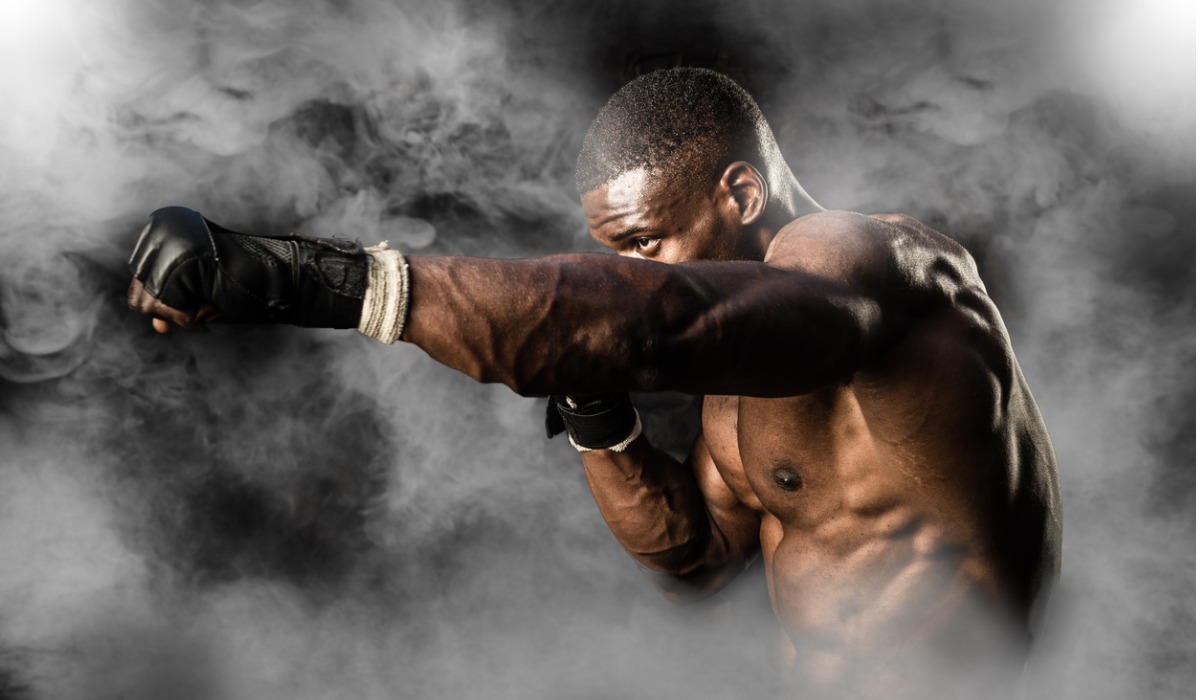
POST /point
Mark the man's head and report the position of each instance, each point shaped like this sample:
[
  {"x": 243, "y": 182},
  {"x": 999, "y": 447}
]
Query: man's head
[
  {"x": 683, "y": 123},
  {"x": 681, "y": 165}
]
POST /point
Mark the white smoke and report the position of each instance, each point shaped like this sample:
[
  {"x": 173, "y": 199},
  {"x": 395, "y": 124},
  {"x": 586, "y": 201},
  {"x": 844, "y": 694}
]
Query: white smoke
[
  {"x": 278, "y": 513},
  {"x": 1057, "y": 142}
]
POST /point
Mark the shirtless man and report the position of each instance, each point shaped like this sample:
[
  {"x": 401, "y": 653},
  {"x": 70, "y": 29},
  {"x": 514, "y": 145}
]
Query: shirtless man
[{"x": 865, "y": 428}]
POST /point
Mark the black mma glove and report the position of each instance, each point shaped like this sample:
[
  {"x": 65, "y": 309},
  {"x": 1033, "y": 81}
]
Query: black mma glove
[
  {"x": 187, "y": 261},
  {"x": 594, "y": 421}
]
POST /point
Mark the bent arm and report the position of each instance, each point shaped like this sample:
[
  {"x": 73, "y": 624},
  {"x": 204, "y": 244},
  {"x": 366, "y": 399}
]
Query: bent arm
[{"x": 679, "y": 520}]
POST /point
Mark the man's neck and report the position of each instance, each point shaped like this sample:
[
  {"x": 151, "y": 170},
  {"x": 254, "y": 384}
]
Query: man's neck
[{"x": 793, "y": 201}]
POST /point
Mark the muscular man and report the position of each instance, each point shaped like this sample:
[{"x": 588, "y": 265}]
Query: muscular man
[{"x": 866, "y": 427}]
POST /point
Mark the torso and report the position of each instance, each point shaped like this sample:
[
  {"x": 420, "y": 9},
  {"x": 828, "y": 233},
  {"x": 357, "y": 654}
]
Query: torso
[{"x": 909, "y": 504}]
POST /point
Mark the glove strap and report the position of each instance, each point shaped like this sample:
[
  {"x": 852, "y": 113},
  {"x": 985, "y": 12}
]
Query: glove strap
[
  {"x": 620, "y": 446},
  {"x": 385, "y": 303},
  {"x": 594, "y": 421}
]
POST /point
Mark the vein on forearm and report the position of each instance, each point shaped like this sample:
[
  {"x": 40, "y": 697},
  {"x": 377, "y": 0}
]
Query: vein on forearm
[{"x": 588, "y": 322}]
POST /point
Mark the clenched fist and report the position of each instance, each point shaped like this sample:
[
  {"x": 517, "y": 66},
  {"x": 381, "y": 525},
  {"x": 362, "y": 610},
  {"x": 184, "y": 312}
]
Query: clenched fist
[{"x": 186, "y": 269}]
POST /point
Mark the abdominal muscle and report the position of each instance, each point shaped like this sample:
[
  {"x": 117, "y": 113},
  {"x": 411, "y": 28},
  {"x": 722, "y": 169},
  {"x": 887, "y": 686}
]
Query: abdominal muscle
[
  {"x": 871, "y": 581},
  {"x": 857, "y": 614}
]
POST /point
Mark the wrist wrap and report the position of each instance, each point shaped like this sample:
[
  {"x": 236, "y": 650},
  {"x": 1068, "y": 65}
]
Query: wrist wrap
[
  {"x": 385, "y": 304},
  {"x": 185, "y": 261},
  {"x": 595, "y": 421}
]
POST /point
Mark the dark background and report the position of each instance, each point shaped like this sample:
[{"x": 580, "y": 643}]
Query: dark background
[{"x": 281, "y": 513}]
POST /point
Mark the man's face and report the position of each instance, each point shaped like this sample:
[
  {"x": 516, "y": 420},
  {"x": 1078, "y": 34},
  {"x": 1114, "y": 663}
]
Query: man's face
[{"x": 643, "y": 216}]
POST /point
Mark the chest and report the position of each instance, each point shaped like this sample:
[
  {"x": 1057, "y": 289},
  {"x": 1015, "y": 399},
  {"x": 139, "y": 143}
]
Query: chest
[{"x": 794, "y": 456}]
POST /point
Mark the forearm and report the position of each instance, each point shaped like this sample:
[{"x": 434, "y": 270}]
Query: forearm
[
  {"x": 539, "y": 326},
  {"x": 655, "y": 508},
  {"x": 586, "y": 323}
]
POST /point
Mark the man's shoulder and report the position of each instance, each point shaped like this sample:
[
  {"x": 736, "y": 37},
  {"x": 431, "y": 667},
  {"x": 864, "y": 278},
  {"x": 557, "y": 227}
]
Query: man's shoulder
[
  {"x": 892, "y": 252},
  {"x": 847, "y": 231},
  {"x": 830, "y": 227},
  {"x": 834, "y": 244}
]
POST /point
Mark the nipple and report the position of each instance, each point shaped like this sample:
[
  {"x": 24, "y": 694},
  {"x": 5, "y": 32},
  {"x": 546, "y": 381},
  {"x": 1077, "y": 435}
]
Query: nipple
[{"x": 787, "y": 478}]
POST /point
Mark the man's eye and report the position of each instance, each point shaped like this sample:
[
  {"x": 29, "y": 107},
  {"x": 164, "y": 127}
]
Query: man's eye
[{"x": 643, "y": 242}]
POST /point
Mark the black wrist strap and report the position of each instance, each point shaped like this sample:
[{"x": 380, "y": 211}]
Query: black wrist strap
[{"x": 593, "y": 422}]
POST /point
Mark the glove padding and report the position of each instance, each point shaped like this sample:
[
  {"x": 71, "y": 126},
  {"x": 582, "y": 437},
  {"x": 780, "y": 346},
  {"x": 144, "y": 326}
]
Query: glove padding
[
  {"x": 186, "y": 261},
  {"x": 593, "y": 421}
]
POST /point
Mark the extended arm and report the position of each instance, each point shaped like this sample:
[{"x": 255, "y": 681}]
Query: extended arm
[
  {"x": 588, "y": 323},
  {"x": 807, "y": 316},
  {"x": 822, "y": 302}
]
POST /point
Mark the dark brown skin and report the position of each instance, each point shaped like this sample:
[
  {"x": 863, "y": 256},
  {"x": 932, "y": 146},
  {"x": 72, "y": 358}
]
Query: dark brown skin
[{"x": 866, "y": 427}]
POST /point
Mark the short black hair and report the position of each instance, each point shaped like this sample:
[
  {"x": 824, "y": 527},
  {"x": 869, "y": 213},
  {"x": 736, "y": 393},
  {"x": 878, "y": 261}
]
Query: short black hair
[{"x": 687, "y": 122}]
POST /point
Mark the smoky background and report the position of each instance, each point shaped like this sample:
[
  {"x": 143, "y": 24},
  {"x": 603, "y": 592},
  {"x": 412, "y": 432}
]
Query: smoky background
[{"x": 274, "y": 512}]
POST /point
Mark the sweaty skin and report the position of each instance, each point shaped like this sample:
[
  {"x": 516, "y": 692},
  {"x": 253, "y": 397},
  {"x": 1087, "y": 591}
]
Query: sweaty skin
[
  {"x": 866, "y": 427},
  {"x": 906, "y": 505}
]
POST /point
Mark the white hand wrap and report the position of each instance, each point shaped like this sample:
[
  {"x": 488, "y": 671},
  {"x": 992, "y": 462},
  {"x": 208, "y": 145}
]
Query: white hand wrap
[{"x": 385, "y": 304}]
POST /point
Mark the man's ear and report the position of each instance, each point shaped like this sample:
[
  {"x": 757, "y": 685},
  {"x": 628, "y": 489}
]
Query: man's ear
[{"x": 747, "y": 190}]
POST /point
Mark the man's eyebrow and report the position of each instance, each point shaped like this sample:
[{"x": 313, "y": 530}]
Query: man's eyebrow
[{"x": 627, "y": 234}]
